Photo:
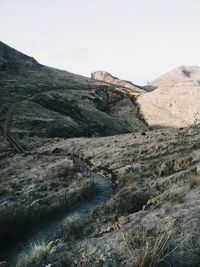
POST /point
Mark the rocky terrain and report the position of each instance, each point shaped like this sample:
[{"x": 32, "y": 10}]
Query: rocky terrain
[
  {"x": 93, "y": 184},
  {"x": 175, "y": 101}
]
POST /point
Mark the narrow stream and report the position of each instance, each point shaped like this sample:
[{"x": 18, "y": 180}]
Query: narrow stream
[{"x": 54, "y": 229}]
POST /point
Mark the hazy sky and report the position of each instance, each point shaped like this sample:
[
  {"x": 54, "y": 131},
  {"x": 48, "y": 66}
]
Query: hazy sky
[{"x": 136, "y": 40}]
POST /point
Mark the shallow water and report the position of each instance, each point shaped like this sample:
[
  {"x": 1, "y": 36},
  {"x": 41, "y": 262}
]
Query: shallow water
[{"x": 55, "y": 228}]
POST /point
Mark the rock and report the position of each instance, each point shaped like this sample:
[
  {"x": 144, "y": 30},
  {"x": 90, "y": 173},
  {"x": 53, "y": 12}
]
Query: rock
[
  {"x": 123, "y": 220},
  {"x": 108, "y": 78},
  {"x": 198, "y": 170},
  {"x": 50, "y": 245},
  {"x": 175, "y": 102}
]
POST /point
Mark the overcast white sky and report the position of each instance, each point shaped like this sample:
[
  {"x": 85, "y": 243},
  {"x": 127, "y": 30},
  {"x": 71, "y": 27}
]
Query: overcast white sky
[{"x": 136, "y": 40}]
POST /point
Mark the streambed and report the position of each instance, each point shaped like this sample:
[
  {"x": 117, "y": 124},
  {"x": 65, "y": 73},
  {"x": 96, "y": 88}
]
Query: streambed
[{"x": 54, "y": 228}]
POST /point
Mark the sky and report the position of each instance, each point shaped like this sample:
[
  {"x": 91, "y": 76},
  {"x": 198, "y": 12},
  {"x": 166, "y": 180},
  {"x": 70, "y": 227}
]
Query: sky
[{"x": 136, "y": 40}]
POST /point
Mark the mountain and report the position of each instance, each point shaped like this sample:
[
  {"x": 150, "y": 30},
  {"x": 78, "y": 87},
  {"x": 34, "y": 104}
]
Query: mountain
[
  {"x": 43, "y": 101},
  {"x": 175, "y": 101}
]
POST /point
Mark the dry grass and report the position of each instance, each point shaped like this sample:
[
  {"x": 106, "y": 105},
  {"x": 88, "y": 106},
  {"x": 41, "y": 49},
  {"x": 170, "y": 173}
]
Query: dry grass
[
  {"x": 194, "y": 181},
  {"x": 128, "y": 200},
  {"x": 3, "y": 142},
  {"x": 175, "y": 197},
  {"x": 74, "y": 225},
  {"x": 125, "y": 178},
  {"x": 154, "y": 250},
  {"x": 36, "y": 257},
  {"x": 17, "y": 219}
]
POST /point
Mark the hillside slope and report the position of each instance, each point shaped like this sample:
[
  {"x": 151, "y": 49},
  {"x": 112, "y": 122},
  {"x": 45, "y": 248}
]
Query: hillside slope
[
  {"x": 175, "y": 101},
  {"x": 152, "y": 215},
  {"x": 43, "y": 101}
]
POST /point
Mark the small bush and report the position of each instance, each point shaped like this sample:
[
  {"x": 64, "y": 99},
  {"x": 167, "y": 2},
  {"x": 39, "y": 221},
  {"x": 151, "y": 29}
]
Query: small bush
[
  {"x": 153, "y": 253},
  {"x": 194, "y": 181},
  {"x": 175, "y": 197},
  {"x": 36, "y": 258},
  {"x": 88, "y": 189},
  {"x": 74, "y": 225}
]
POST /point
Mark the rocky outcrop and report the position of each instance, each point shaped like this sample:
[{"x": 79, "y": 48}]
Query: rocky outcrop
[
  {"x": 108, "y": 78},
  {"x": 175, "y": 102}
]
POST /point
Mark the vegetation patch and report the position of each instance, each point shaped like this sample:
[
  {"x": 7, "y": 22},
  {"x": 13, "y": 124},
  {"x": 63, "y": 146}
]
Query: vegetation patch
[
  {"x": 175, "y": 197},
  {"x": 154, "y": 251},
  {"x": 35, "y": 258},
  {"x": 74, "y": 226},
  {"x": 194, "y": 181}
]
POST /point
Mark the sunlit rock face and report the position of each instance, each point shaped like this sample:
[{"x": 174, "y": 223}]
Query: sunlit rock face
[
  {"x": 108, "y": 78},
  {"x": 175, "y": 101}
]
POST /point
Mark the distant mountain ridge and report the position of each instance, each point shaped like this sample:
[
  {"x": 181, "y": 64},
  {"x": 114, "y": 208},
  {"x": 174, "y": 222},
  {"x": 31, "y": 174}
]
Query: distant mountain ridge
[{"x": 175, "y": 101}]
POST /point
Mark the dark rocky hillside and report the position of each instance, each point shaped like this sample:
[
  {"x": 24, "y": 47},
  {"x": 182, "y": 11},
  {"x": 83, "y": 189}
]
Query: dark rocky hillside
[{"x": 48, "y": 102}]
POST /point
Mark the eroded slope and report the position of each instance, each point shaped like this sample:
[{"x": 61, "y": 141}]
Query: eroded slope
[{"x": 175, "y": 101}]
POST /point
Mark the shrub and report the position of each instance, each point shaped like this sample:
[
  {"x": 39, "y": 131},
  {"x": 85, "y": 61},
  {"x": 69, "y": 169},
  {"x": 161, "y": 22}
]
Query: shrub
[
  {"x": 175, "y": 197},
  {"x": 194, "y": 181},
  {"x": 35, "y": 258},
  {"x": 74, "y": 225},
  {"x": 153, "y": 252},
  {"x": 88, "y": 189}
]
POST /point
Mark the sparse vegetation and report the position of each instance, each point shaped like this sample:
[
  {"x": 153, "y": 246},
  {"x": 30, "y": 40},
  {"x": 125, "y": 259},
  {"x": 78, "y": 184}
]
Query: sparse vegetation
[
  {"x": 35, "y": 258},
  {"x": 88, "y": 189},
  {"x": 125, "y": 178},
  {"x": 54, "y": 196},
  {"x": 194, "y": 181},
  {"x": 175, "y": 197},
  {"x": 127, "y": 200},
  {"x": 74, "y": 225},
  {"x": 154, "y": 251},
  {"x": 3, "y": 142}
]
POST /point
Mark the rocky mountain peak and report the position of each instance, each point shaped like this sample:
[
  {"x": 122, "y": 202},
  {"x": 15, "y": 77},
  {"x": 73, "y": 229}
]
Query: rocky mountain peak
[
  {"x": 175, "y": 102},
  {"x": 181, "y": 74}
]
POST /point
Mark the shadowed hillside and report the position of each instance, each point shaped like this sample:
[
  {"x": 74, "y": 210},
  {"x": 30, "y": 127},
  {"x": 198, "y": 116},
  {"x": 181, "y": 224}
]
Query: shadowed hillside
[{"x": 51, "y": 102}]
